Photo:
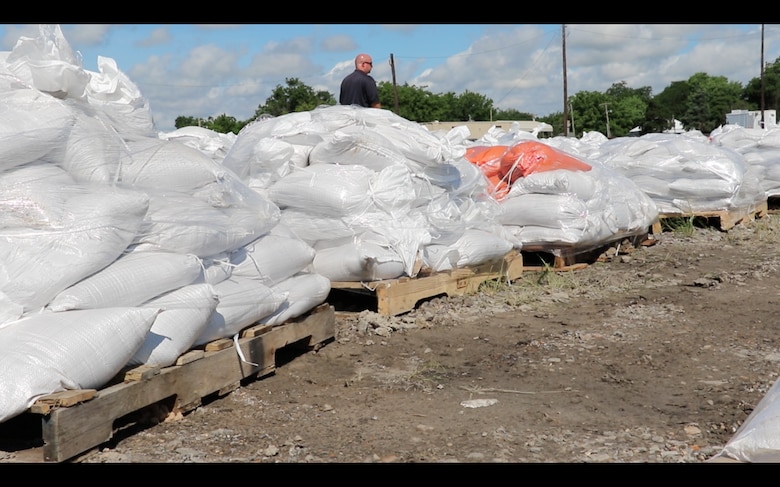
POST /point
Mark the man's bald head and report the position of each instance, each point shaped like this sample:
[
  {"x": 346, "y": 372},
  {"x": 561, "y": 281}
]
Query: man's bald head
[{"x": 363, "y": 62}]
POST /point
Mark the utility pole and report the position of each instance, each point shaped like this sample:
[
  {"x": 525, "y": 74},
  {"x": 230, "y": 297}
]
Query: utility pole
[
  {"x": 762, "y": 77},
  {"x": 606, "y": 112},
  {"x": 395, "y": 86},
  {"x": 565, "y": 88}
]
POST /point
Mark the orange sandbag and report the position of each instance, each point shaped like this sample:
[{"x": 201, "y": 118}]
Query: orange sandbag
[
  {"x": 498, "y": 187},
  {"x": 530, "y": 156},
  {"x": 487, "y": 158}
]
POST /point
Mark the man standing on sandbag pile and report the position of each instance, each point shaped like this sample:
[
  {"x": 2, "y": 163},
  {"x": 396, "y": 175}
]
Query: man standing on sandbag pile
[{"x": 358, "y": 88}]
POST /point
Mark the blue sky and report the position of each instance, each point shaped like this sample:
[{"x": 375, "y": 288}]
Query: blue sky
[{"x": 204, "y": 70}]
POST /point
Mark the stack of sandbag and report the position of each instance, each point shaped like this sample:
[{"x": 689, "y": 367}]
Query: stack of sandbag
[
  {"x": 370, "y": 192},
  {"x": 552, "y": 198},
  {"x": 118, "y": 247},
  {"x": 682, "y": 173},
  {"x": 761, "y": 150}
]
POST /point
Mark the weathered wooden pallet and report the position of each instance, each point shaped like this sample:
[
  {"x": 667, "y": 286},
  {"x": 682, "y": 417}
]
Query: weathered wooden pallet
[
  {"x": 573, "y": 257},
  {"x": 396, "y": 296},
  {"x": 73, "y": 422},
  {"x": 722, "y": 219}
]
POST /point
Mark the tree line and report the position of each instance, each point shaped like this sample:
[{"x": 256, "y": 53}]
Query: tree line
[{"x": 700, "y": 103}]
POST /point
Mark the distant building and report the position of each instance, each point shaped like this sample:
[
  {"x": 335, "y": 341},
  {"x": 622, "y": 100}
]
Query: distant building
[
  {"x": 751, "y": 119},
  {"x": 478, "y": 129}
]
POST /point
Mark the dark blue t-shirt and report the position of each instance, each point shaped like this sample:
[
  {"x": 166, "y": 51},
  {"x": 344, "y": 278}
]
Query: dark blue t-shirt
[{"x": 358, "y": 88}]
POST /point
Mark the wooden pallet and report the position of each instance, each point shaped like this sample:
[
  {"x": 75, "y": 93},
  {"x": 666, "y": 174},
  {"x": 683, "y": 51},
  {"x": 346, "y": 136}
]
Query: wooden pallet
[
  {"x": 574, "y": 257},
  {"x": 73, "y": 422},
  {"x": 722, "y": 219},
  {"x": 396, "y": 296},
  {"x": 559, "y": 259}
]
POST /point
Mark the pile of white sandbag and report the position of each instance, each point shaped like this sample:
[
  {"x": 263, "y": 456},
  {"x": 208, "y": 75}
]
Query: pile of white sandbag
[
  {"x": 117, "y": 246},
  {"x": 761, "y": 149},
  {"x": 681, "y": 173}
]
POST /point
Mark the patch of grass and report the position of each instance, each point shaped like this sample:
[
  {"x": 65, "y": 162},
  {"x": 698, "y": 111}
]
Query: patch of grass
[
  {"x": 553, "y": 279},
  {"x": 494, "y": 286},
  {"x": 683, "y": 226}
]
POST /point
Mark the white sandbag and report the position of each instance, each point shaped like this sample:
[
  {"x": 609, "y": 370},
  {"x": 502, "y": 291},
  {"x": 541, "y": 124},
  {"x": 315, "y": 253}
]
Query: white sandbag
[
  {"x": 185, "y": 313},
  {"x": 702, "y": 188},
  {"x": 440, "y": 257},
  {"x": 131, "y": 280},
  {"x": 656, "y": 188},
  {"x": 478, "y": 246},
  {"x": 531, "y": 235},
  {"x": 272, "y": 160},
  {"x": 559, "y": 181},
  {"x": 473, "y": 182},
  {"x": 242, "y": 302},
  {"x": 393, "y": 191},
  {"x": 304, "y": 291},
  {"x": 260, "y": 157},
  {"x": 312, "y": 228},
  {"x": 546, "y": 210},
  {"x": 116, "y": 96},
  {"x": 214, "y": 144},
  {"x": 358, "y": 261},
  {"x": 52, "y": 352},
  {"x": 325, "y": 189},
  {"x": 94, "y": 229},
  {"x": 295, "y": 128},
  {"x": 169, "y": 165},
  {"x": 449, "y": 216},
  {"x": 417, "y": 144},
  {"x": 272, "y": 258},
  {"x": 33, "y": 124},
  {"x": 92, "y": 151},
  {"x": 48, "y": 63},
  {"x": 181, "y": 223},
  {"x": 758, "y": 438},
  {"x": 356, "y": 145},
  {"x": 31, "y": 196}
]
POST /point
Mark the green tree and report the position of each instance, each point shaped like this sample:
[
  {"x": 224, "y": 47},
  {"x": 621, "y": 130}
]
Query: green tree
[
  {"x": 224, "y": 124},
  {"x": 626, "y": 113},
  {"x": 295, "y": 97},
  {"x": 667, "y": 106},
  {"x": 472, "y": 106},
  {"x": 589, "y": 111},
  {"x": 711, "y": 98},
  {"x": 620, "y": 91},
  {"x": 512, "y": 114},
  {"x": 414, "y": 103},
  {"x": 752, "y": 92},
  {"x": 183, "y": 121}
]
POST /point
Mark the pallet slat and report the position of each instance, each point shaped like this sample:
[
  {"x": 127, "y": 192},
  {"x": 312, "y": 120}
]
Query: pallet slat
[{"x": 89, "y": 421}]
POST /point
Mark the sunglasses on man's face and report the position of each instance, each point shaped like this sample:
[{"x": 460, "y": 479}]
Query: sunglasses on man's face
[{"x": 369, "y": 63}]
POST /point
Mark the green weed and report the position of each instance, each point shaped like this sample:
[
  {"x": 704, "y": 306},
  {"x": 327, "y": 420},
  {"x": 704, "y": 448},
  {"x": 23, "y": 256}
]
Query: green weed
[{"x": 683, "y": 226}]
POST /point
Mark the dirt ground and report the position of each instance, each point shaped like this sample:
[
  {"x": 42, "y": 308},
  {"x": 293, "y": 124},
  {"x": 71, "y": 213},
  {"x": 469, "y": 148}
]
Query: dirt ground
[{"x": 653, "y": 354}]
